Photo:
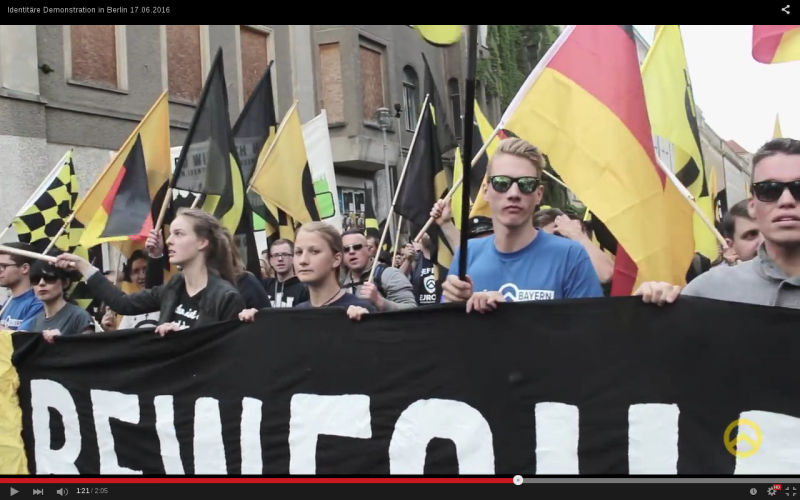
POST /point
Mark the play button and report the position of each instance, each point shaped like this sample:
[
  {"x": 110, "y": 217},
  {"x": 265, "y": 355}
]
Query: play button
[{"x": 13, "y": 492}]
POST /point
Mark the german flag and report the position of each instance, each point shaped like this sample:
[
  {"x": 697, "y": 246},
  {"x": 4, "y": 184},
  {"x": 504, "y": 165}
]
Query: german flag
[
  {"x": 773, "y": 44},
  {"x": 673, "y": 116},
  {"x": 209, "y": 163},
  {"x": 584, "y": 107},
  {"x": 440, "y": 35},
  {"x": 284, "y": 177},
  {"x": 132, "y": 174}
]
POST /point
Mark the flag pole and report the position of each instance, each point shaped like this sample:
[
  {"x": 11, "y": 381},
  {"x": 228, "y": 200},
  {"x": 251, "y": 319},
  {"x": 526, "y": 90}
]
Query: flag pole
[
  {"x": 25, "y": 253},
  {"x": 468, "y": 123},
  {"x": 458, "y": 183},
  {"x": 397, "y": 240},
  {"x": 690, "y": 200},
  {"x": 399, "y": 185}
]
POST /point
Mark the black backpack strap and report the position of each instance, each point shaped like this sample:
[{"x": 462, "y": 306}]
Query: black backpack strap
[{"x": 376, "y": 278}]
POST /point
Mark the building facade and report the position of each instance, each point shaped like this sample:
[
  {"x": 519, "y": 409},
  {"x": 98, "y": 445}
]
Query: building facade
[{"x": 86, "y": 87}]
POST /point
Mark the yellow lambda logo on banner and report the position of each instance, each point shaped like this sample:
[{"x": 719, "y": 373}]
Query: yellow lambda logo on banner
[{"x": 733, "y": 445}]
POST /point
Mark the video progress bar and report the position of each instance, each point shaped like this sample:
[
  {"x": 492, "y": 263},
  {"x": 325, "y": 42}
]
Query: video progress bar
[{"x": 658, "y": 480}]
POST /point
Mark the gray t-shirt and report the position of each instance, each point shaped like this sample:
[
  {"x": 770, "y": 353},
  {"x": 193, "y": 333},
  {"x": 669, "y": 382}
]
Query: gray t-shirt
[
  {"x": 758, "y": 281},
  {"x": 70, "y": 320}
]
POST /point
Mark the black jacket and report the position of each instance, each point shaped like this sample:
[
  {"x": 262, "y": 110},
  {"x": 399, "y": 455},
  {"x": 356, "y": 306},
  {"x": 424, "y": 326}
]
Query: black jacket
[
  {"x": 220, "y": 301},
  {"x": 252, "y": 291},
  {"x": 253, "y": 294},
  {"x": 287, "y": 294}
]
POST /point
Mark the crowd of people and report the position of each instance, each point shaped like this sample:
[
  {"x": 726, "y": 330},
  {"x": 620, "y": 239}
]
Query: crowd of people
[{"x": 519, "y": 254}]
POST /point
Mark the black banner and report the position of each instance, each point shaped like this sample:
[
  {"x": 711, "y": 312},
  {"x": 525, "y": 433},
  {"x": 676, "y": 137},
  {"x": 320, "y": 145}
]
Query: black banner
[{"x": 601, "y": 386}]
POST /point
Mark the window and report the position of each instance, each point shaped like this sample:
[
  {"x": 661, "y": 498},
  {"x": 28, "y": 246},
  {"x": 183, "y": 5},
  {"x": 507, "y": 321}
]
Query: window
[
  {"x": 185, "y": 60},
  {"x": 254, "y": 44},
  {"x": 352, "y": 203},
  {"x": 411, "y": 97},
  {"x": 455, "y": 106},
  {"x": 371, "y": 81},
  {"x": 96, "y": 55},
  {"x": 330, "y": 64}
]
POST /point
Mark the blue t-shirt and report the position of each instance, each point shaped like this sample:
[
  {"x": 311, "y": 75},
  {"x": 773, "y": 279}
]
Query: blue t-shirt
[
  {"x": 21, "y": 309},
  {"x": 550, "y": 267}
]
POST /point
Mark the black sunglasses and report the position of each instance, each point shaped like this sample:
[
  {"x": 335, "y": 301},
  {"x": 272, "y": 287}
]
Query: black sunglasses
[
  {"x": 502, "y": 183},
  {"x": 771, "y": 191},
  {"x": 354, "y": 248},
  {"x": 48, "y": 278}
]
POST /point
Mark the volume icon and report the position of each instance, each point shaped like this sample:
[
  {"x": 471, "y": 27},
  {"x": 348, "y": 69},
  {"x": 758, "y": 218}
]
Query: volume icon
[{"x": 62, "y": 492}]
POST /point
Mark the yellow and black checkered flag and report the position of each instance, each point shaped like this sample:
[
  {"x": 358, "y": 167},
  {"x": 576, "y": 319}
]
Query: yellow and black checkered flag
[{"x": 44, "y": 214}]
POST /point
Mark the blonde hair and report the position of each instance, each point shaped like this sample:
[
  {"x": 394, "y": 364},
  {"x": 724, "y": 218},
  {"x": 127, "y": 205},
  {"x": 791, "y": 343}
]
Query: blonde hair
[
  {"x": 219, "y": 253},
  {"x": 328, "y": 233},
  {"x": 520, "y": 148}
]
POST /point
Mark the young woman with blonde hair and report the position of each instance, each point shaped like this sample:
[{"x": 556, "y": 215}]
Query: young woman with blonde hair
[
  {"x": 203, "y": 293},
  {"x": 317, "y": 258}
]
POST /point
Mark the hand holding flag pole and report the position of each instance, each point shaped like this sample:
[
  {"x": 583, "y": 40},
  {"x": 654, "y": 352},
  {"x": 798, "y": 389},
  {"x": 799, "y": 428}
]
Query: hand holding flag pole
[{"x": 469, "y": 120}]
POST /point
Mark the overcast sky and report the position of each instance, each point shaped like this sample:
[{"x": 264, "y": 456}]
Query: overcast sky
[{"x": 739, "y": 96}]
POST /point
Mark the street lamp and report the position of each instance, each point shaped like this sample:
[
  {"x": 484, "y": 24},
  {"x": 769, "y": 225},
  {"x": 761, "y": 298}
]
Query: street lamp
[{"x": 385, "y": 121}]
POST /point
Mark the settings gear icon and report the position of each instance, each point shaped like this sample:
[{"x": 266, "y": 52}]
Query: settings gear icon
[{"x": 771, "y": 491}]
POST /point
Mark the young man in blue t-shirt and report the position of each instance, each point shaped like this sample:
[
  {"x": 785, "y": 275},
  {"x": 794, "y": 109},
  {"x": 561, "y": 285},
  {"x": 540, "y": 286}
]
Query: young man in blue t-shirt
[
  {"x": 519, "y": 263},
  {"x": 15, "y": 275}
]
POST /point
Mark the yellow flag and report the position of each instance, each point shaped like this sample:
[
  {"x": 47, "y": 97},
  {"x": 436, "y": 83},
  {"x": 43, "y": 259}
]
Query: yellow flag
[
  {"x": 151, "y": 136},
  {"x": 440, "y": 35},
  {"x": 480, "y": 207},
  {"x": 284, "y": 178},
  {"x": 673, "y": 116}
]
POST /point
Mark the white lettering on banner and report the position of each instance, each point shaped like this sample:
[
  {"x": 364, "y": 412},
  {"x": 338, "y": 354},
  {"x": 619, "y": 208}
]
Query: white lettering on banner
[
  {"x": 209, "y": 450},
  {"x": 312, "y": 415},
  {"x": 511, "y": 292},
  {"x": 250, "y": 437},
  {"x": 46, "y": 394},
  {"x": 105, "y": 406},
  {"x": 557, "y": 431},
  {"x": 652, "y": 434},
  {"x": 167, "y": 438},
  {"x": 445, "y": 419},
  {"x": 779, "y": 452},
  {"x": 653, "y": 438}
]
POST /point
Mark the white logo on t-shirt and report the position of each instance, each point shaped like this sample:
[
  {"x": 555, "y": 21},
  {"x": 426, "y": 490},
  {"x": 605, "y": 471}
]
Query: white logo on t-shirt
[
  {"x": 280, "y": 303},
  {"x": 429, "y": 283},
  {"x": 190, "y": 314},
  {"x": 514, "y": 294}
]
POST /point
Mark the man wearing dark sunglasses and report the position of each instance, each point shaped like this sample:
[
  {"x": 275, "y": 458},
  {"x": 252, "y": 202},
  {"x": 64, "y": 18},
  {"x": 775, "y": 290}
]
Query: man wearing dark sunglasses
[
  {"x": 772, "y": 278},
  {"x": 390, "y": 289},
  {"x": 519, "y": 263},
  {"x": 59, "y": 317}
]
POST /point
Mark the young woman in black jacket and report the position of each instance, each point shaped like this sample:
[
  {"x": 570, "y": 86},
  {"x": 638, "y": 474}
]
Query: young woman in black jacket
[{"x": 204, "y": 292}]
